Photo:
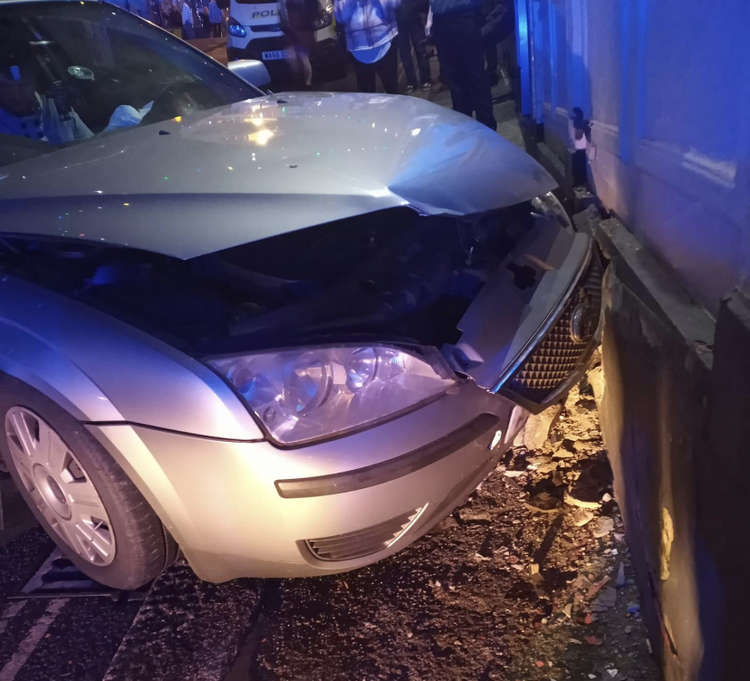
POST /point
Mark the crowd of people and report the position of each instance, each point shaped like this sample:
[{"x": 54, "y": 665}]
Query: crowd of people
[
  {"x": 465, "y": 32},
  {"x": 193, "y": 18},
  {"x": 376, "y": 34},
  {"x": 196, "y": 18}
]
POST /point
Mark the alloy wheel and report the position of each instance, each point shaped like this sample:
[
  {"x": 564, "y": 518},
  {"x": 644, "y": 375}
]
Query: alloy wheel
[{"x": 59, "y": 486}]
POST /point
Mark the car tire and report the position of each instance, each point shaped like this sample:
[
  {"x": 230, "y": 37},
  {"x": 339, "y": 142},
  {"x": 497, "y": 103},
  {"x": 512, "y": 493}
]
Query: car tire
[{"x": 124, "y": 550}]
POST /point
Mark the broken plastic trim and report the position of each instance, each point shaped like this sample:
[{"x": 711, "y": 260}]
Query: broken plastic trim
[{"x": 549, "y": 321}]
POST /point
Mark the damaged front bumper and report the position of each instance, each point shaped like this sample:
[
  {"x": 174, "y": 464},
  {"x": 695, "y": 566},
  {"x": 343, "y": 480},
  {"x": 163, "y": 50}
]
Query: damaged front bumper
[
  {"x": 531, "y": 330},
  {"x": 240, "y": 509}
]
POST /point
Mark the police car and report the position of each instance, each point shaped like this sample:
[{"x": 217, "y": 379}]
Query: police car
[{"x": 255, "y": 32}]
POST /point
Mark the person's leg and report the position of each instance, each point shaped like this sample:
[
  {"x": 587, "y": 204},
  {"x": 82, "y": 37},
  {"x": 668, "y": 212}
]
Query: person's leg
[
  {"x": 490, "y": 54},
  {"x": 306, "y": 68},
  {"x": 472, "y": 70},
  {"x": 417, "y": 38},
  {"x": 387, "y": 69},
  {"x": 448, "y": 38},
  {"x": 580, "y": 176},
  {"x": 404, "y": 48},
  {"x": 365, "y": 75}
]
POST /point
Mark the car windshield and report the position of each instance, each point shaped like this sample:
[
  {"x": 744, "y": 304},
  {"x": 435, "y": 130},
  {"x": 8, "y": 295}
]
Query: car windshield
[{"x": 70, "y": 72}]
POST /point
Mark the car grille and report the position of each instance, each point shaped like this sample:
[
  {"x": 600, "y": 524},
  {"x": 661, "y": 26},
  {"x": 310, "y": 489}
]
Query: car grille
[
  {"x": 566, "y": 345},
  {"x": 363, "y": 542}
]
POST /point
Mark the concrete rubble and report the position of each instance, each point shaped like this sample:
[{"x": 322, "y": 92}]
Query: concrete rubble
[{"x": 529, "y": 580}]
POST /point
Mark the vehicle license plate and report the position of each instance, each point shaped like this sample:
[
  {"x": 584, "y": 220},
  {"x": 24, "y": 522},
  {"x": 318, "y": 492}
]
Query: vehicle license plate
[{"x": 270, "y": 55}]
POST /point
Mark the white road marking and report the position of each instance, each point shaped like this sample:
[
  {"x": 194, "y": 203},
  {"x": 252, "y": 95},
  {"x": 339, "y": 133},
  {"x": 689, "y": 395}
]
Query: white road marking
[
  {"x": 29, "y": 644},
  {"x": 9, "y": 613}
]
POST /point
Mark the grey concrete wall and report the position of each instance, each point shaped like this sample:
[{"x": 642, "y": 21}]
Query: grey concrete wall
[
  {"x": 722, "y": 514},
  {"x": 676, "y": 421},
  {"x": 665, "y": 85}
]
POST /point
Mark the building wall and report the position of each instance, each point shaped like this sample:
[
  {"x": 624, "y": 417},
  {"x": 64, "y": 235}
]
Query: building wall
[{"x": 665, "y": 83}]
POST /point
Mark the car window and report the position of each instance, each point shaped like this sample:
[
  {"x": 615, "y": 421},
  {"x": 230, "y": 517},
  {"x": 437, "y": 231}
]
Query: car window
[{"x": 70, "y": 72}]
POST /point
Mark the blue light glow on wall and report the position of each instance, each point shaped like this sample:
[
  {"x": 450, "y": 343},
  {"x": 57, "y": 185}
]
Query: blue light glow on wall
[
  {"x": 522, "y": 44},
  {"x": 665, "y": 85}
]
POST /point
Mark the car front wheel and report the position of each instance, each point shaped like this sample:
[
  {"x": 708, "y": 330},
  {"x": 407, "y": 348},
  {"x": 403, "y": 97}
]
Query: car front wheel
[{"x": 77, "y": 492}]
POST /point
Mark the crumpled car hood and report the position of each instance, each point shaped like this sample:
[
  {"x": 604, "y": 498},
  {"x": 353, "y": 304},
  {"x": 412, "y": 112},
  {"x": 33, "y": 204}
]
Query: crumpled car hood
[{"x": 198, "y": 184}]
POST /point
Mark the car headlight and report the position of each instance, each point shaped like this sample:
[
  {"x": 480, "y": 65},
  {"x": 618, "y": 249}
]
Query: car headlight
[
  {"x": 236, "y": 29},
  {"x": 305, "y": 394},
  {"x": 549, "y": 206}
]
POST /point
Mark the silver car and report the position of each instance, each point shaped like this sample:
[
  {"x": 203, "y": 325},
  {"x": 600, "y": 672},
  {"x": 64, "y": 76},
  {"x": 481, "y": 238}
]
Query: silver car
[{"x": 285, "y": 334}]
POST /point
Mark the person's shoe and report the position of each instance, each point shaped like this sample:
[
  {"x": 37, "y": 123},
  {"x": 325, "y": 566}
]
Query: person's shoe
[
  {"x": 427, "y": 85},
  {"x": 410, "y": 89}
]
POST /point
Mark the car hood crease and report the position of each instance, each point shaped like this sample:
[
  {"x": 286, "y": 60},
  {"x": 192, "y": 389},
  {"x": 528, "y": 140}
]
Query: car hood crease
[{"x": 210, "y": 181}]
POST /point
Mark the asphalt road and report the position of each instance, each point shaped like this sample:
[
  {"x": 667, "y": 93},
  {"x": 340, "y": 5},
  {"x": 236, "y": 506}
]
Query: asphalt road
[
  {"x": 178, "y": 628},
  {"x": 529, "y": 581},
  {"x": 69, "y": 638}
]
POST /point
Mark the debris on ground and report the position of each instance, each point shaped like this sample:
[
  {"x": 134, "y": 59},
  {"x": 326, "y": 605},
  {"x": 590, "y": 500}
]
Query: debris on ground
[
  {"x": 620, "y": 579},
  {"x": 603, "y": 527},
  {"x": 528, "y": 580},
  {"x": 538, "y": 426},
  {"x": 605, "y": 600},
  {"x": 581, "y": 517}
]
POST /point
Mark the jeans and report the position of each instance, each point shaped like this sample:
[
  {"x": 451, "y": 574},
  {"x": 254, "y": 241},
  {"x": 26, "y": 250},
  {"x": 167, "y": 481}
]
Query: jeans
[
  {"x": 386, "y": 68},
  {"x": 461, "y": 53},
  {"x": 411, "y": 23},
  {"x": 580, "y": 168}
]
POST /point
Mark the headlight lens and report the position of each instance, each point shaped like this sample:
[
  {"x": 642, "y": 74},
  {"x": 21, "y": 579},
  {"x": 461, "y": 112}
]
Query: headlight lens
[
  {"x": 549, "y": 205},
  {"x": 301, "y": 395}
]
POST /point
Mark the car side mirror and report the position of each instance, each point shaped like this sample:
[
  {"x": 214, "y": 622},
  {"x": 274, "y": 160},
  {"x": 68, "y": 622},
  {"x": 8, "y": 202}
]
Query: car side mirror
[{"x": 251, "y": 71}]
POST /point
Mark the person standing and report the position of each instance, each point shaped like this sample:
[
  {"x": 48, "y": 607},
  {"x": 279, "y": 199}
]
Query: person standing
[
  {"x": 495, "y": 27},
  {"x": 25, "y": 112},
  {"x": 457, "y": 31},
  {"x": 188, "y": 21},
  {"x": 202, "y": 26},
  {"x": 171, "y": 12},
  {"x": 216, "y": 18},
  {"x": 370, "y": 29},
  {"x": 154, "y": 12},
  {"x": 298, "y": 23},
  {"x": 411, "y": 16},
  {"x": 579, "y": 130}
]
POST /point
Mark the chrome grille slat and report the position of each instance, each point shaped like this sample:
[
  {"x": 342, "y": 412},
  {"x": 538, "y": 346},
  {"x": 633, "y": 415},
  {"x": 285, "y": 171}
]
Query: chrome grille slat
[{"x": 558, "y": 354}]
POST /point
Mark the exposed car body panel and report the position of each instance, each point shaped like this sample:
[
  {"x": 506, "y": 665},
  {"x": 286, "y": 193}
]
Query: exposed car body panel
[
  {"x": 105, "y": 370},
  {"x": 240, "y": 478},
  {"x": 265, "y": 167},
  {"x": 505, "y": 320}
]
